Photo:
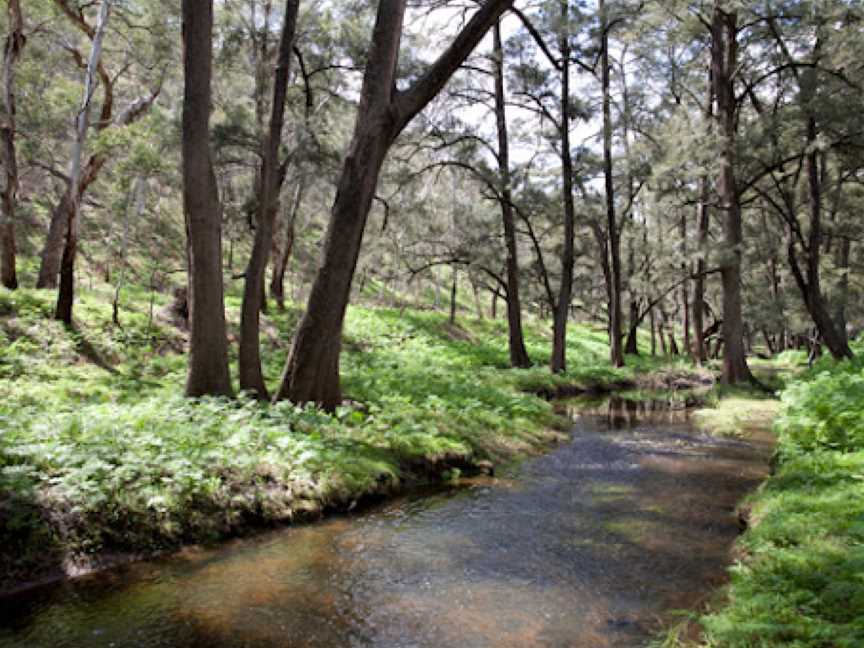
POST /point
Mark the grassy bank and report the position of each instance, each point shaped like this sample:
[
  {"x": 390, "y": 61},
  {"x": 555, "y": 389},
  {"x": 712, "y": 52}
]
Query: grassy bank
[
  {"x": 799, "y": 579},
  {"x": 100, "y": 454}
]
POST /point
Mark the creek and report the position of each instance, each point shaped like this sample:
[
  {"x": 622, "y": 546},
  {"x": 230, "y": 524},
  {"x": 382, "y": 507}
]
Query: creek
[{"x": 595, "y": 544}]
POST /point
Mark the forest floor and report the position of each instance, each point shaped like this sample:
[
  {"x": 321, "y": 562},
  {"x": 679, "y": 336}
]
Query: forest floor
[{"x": 102, "y": 459}]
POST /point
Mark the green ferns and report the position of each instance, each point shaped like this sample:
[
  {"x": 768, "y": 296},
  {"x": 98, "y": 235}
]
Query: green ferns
[
  {"x": 826, "y": 411},
  {"x": 98, "y": 452},
  {"x": 800, "y": 583}
]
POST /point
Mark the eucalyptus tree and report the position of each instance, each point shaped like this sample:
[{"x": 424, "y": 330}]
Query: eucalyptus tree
[
  {"x": 12, "y": 50},
  {"x": 58, "y": 242},
  {"x": 612, "y": 227},
  {"x": 813, "y": 98},
  {"x": 251, "y": 375},
  {"x": 543, "y": 87},
  {"x": 312, "y": 371},
  {"x": 65, "y": 296},
  {"x": 516, "y": 340},
  {"x": 472, "y": 149},
  {"x": 208, "y": 345}
]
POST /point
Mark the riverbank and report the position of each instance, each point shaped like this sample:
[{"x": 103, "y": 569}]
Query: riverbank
[
  {"x": 797, "y": 580},
  {"x": 588, "y": 545},
  {"x": 102, "y": 460}
]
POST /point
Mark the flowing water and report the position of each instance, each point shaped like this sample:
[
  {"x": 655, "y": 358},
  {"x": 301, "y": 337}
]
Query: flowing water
[{"x": 592, "y": 545}]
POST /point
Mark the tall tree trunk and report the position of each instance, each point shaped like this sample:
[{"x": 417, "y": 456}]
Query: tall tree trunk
[
  {"x": 686, "y": 269},
  {"x": 66, "y": 295},
  {"x": 283, "y": 255},
  {"x": 634, "y": 317},
  {"x": 615, "y": 335},
  {"x": 208, "y": 348},
  {"x": 251, "y": 374},
  {"x": 724, "y": 55},
  {"x": 516, "y": 339},
  {"x": 565, "y": 291},
  {"x": 703, "y": 218},
  {"x": 8, "y": 194},
  {"x": 312, "y": 371}
]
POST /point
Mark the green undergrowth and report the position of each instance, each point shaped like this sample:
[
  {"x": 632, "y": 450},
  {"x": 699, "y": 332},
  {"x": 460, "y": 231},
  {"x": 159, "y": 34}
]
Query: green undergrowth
[
  {"x": 799, "y": 581},
  {"x": 100, "y": 453}
]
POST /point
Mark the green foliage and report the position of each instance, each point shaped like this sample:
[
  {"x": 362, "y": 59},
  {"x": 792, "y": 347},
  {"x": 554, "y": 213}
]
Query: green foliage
[
  {"x": 99, "y": 452},
  {"x": 826, "y": 411},
  {"x": 800, "y": 581}
]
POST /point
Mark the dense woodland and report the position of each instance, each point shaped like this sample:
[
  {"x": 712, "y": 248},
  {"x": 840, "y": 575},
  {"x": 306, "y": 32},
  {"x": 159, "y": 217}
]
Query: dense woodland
[
  {"x": 691, "y": 169},
  {"x": 373, "y": 239}
]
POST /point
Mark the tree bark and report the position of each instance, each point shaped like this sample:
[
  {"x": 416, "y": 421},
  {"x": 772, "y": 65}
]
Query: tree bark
[
  {"x": 15, "y": 41},
  {"x": 703, "y": 221},
  {"x": 615, "y": 335},
  {"x": 565, "y": 291},
  {"x": 66, "y": 294},
  {"x": 632, "y": 345},
  {"x": 312, "y": 371},
  {"x": 686, "y": 270},
  {"x": 283, "y": 255},
  {"x": 208, "y": 349},
  {"x": 724, "y": 60},
  {"x": 516, "y": 339},
  {"x": 251, "y": 374}
]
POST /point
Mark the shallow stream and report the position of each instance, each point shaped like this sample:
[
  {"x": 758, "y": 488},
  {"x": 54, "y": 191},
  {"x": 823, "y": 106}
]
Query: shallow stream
[{"x": 595, "y": 544}]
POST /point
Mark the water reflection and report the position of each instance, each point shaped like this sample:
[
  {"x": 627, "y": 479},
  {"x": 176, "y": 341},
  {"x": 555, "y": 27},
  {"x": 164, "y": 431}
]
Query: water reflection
[
  {"x": 631, "y": 411},
  {"x": 586, "y": 547}
]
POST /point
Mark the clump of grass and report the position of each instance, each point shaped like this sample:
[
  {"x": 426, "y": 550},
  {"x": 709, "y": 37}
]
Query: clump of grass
[{"x": 736, "y": 412}]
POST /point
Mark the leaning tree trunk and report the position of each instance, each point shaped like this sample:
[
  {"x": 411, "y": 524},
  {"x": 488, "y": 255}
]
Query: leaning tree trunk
[
  {"x": 8, "y": 194},
  {"x": 811, "y": 286},
  {"x": 724, "y": 51},
  {"x": 66, "y": 294},
  {"x": 516, "y": 339},
  {"x": 565, "y": 291},
  {"x": 208, "y": 346},
  {"x": 312, "y": 371},
  {"x": 834, "y": 339},
  {"x": 251, "y": 375},
  {"x": 615, "y": 335}
]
